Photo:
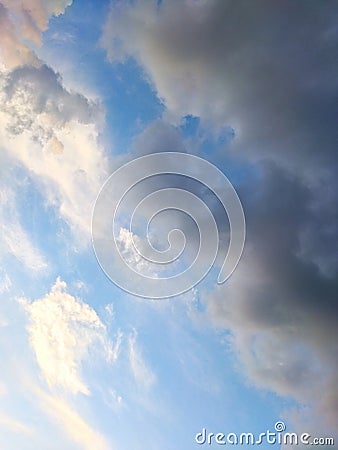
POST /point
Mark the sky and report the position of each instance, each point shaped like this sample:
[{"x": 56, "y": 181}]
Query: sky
[{"x": 87, "y": 86}]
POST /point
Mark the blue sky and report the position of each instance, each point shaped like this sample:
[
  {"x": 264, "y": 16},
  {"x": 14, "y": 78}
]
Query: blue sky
[{"x": 87, "y": 86}]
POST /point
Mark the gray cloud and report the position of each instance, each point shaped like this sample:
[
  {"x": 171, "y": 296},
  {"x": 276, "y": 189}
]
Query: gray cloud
[
  {"x": 281, "y": 308},
  {"x": 29, "y": 91},
  {"x": 268, "y": 70}
]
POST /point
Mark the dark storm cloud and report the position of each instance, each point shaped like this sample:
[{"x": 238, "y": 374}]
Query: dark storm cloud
[
  {"x": 269, "y": 71},
  {"x": 281, "y": 308},
  {"x": 266, "y": 68}
]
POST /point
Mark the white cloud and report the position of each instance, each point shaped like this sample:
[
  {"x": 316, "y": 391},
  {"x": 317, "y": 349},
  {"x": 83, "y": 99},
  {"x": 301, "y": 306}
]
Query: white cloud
[
  {"x": 113, "y": 400},
  {"x": 22, "y": 23},
  {"x": 77, "y": 429},
  {"x": 14, "y": 238},
  {"x": 15, "y": 426},
  {"x": 126, "y": 242},
  {"x": 63, "y": 330},
  {"x": 53, "y": 133},
  {"x": 5, "y": 283},
  {"x": 142, "y": 373},
  {"x": 36, "y": 416}
]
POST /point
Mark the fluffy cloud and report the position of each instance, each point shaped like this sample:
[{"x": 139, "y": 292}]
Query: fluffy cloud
[
  {"x": 22, "y": 22},
  {"x": 126, "y": 242},
  {"x": 63, "y": 330},
  {"x": 53, "y": 133},
  {"x": 267, "y": 70},
  {"x": 38, "y": 408}
]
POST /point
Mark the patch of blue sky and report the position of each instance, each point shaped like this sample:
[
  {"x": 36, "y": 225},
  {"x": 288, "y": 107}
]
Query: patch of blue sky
[
  {"x": 192, "y": 127},
  {"x": 98, "y": 290},
  {"x": 195, "y": 379},
  {"x": 195, "y": 385},
  {"x": 189, "y": 125},
  {"x": 216, "y": 147},
  {"x": 129, "y": 100}
]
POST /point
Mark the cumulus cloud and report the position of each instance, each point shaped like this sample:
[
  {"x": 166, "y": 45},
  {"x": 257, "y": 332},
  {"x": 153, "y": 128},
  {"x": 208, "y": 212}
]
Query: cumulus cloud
[
  {"x": 22, "y": 22},
  {"x": 267, "y": 71},
  {"x": 63, "y": 331},
  {"x": 129, "y": 245},
  {"x": 53, "y": 133},
  {"x": 38, "y": 408}
]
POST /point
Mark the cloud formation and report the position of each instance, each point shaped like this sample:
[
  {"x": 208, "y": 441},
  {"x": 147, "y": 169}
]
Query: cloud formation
[
  {"x": 15, "y": 240},
  {"x": 15, "y": 426},
  {"x": 63, "y": 331},
  {"x": 53, "y": 133},
  {"x": 22, "y": 23},
  {"x": 48, "y": 130},
  {"x": 280, "y": 307},
  {"x": 72, "y": 423},
  {"x": 266, "y": 70},
  {"x": 39, "y": 407},
  {"x": 142, "y": 373}
]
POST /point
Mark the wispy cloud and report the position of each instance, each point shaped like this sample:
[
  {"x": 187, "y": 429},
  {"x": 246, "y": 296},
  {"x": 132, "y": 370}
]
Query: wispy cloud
[
  {"x": 14, "y": 238},
  {"x": 5, "y": 283},
  {"x": 15, "y": 426},
  {"x": 71, "y": 422},
  {"x": 141, "y": 371}
]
